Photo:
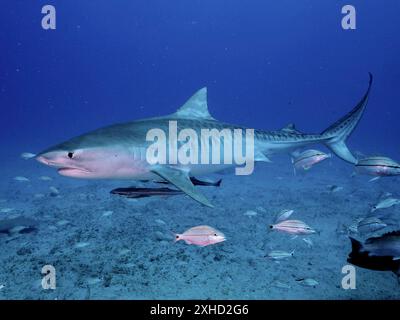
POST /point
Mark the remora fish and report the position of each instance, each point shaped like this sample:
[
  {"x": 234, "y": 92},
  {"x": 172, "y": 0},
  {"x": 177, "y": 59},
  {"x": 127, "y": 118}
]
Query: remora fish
[
  {"x": 377, "y": 253},
  {"x": 133, "y": 192},
  {"x": 197, "y": 182},
  {"x": 119, "y": 151},
  {"x": 378, "y": 166}
]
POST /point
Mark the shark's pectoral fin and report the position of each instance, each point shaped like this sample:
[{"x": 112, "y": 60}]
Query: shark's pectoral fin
[
  {"x": 181, "y": 180},
  {"x": 261, "y": 157}
]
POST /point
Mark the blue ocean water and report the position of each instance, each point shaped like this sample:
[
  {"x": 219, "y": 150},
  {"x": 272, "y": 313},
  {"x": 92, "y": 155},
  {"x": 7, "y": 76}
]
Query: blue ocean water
[{"x": 265, "y": 64}]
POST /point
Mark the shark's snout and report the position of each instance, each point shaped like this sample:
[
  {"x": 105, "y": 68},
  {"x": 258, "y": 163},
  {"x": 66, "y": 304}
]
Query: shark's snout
[
  {"x": 64, "y": 163},
  {"x": 44, "y": 160},
  {"x": 52, "y": 159}
]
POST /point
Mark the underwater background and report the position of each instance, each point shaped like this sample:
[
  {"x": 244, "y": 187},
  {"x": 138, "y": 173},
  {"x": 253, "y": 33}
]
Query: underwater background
[{"x": 265, "y": 64}]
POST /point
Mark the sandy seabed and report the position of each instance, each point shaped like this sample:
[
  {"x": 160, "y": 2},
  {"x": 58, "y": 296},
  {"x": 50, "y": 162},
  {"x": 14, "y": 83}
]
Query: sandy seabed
[{"x": 107, "y": 247}]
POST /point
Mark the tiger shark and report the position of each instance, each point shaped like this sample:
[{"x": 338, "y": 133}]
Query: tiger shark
[{"x": 119, "y": 151}]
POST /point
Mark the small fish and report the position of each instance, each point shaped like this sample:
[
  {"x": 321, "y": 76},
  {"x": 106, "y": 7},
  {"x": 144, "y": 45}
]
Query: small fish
[
  {"x": 54, "y": 191},
  {"x": 201, "y": 236},
  {"x": 2, "y": 286},
  {"x": 27, "y": 155},
  {"x": 81, "y": 245},
  {"x": 279, "y": 255},
  {"x": 45, "y": 178},
  {"x": 93, "y": 281},
  {"x": 21, "y": 179},
  {"x": 308, "y": 282},
  {"x": 374, "y": 179},
  {"x": 17, "y": 229},
  {"x": 370, "y": 225},
  {"x": 250, "y": 213},
  {"x": 378, "y": 166},
  {"x": 107, "y": 213},
  {"x": 309, "y": 242},
  {"x": 62, "y": 223},
  {"x": 283, "y": 215},
  {"x": 123, "y": 252},
  {"x": 280, "y": 284},
  {"x": 306, "y": 159},
  {"x": 353, "y": 228},
  {"x": 18, "y": 224},
  {"x": 6, "y": 210},
  {"x": 39, "y": 195},
  {"x": 293, "y": 227},
  {"x": 159, "y": 221},
  {"x": 334, "y": 188},
  {"x": 386, "y": 203}
]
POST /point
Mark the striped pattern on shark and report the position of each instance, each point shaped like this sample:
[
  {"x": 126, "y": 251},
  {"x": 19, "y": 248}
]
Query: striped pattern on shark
[{"x": 119, "y": 151}]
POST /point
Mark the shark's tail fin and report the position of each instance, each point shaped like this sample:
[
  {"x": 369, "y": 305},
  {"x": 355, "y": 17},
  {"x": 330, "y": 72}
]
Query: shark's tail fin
[
  {"x": 336, "y": 135},
  {"x": 355, "y": 246}
]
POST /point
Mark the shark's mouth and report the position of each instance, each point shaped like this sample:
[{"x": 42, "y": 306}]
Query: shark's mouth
[{"x": 67, "y": 170}]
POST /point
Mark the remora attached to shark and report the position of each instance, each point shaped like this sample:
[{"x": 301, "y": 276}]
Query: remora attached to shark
[{"x": 119, "y": 151}]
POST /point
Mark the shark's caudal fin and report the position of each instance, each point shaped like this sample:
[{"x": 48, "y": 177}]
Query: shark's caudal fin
[
  {"x": 336, "y": 135},
  {"x": 355, "y": 245}
]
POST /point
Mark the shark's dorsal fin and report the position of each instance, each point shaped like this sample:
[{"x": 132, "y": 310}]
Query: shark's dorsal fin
[{"x": 196, "y": 107}]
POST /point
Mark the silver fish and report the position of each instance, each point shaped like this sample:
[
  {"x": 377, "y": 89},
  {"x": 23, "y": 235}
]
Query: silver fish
[
  {"x": 27, "y": 155},
  {"x": 279, "y": 255},
  {"x": 378, "y": 166},
  {"x": 308, "y": 282},
  {"x": 308, "y": 158},
  {"x": 21, "y": 179},
  {"x": 283, "y": 215},
  {"x": 250, "y": 213},
  {"x": 370, "y": 225},
  {"x": 386, "y": 203}
]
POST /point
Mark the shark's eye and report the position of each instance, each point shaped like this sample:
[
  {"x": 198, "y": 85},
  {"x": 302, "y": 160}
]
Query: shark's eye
[
  {"x": 215, "y": 234},
  {"x": 70, "y": 155}
]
